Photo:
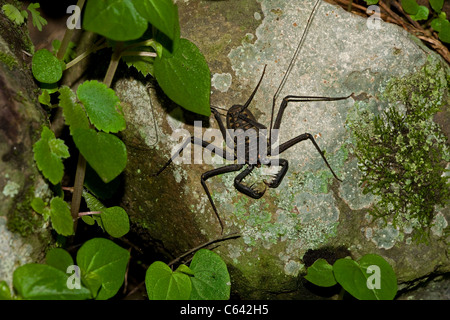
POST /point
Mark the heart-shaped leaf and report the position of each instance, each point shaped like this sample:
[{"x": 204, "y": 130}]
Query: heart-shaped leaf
[
  {"x": 444, "y": 33},
  {"x": 410, "y": 6},
  {"x": 370, "y": 279},
  {"x": 103, "y": 264},
  {"x": 43, "y": 282},
  {"x": 106, "y": 153},
  {"x": 437, "y": 5},
  {"x": 321, "y": 274},
  {"x": 164, "y": 284},
  {"x": 59, "y": 259},
  {"x": 184, "y": 77},
  {"x": 211, "y": 280},
  {"x": 162, "y": 14},
  {"x": 5, "y": 293},
  {"x": 114, "y": 19}
]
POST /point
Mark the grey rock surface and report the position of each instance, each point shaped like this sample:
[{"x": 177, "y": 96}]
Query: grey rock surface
[
  {"x": 23, "y": 235},
  {"x": 310, "y": 209}
]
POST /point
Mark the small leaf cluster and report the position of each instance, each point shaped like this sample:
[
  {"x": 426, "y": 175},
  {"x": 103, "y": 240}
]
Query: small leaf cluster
[
  {"x": 402, "y": 152},
  {"x": 100, "y": 268},
  {"x": 369, "y": 278},
  {"x": 101, "y": 265},
  {"x": 206, "y": 278},
  {"x": 437, "y": 19},
  {"x": 179, "y": 67},
  {"x": 104, "y": 152},
  {"x": 146, "y": 35},
  {"x": 19, "y": 16}
]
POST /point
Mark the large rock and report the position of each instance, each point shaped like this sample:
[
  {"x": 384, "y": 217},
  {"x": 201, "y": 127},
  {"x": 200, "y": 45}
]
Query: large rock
[
  {"x": 23, "y": 234},
  {"x": 310, "y": 210}
]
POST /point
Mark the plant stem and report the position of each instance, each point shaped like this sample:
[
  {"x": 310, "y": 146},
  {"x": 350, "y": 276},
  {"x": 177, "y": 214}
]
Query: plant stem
[
  {"x": 81, "y": 165},
  {"x": 88, "y": 213},
  {"x": 226, "y": 237},
  {"x": 114, "y": 63},
  {"x": 78, "y": 189},
  {"x": 68, "y": 35},
  {"x": 140, "y": 54},
  {"x": 85, "y": 54}
]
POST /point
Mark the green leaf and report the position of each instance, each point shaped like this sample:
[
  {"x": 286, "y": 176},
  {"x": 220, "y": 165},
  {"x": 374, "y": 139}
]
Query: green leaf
[
  {"x": 5, "y": 293},
  {"x": 61, "y": 217},
  {"x": 211, "y": 280},
  {"x": 74, "y": 114},
  {"x": 422, "y": 14},
  {"x": 163, "y": 284},
  {"x": 92, "y": 202},
  {"x": 410, "y": 6},
  {"x": 94, "y": 205},
  {"x": 437, "y": 5},
  {"x": 38, "y": 21},
  {"x": 58, "y": 148},
  {"x": 370, "y": 2},
  {"x": 370, "y": 279},
  {"x": 321, "y": 274},
  {"x": 114, "y": 19},
  {"x": 49, "y": 162},
  {"x": 162, "y": 14},
  {"x": 44, "y": 282},
  {"x": 444, "y": 33},
  {"x": 59, "y": 259},
  {"x": 437, "y": 23},
  {"x": 38, "y": 205},
  {"x": 116, "y": 221},
  {"x": 185, "y": 78},
  {"x": 46, "y": 67},
  {"x": 102, "y": 106},
  {"x": 103, "y": 264},
  {"x": 44, "y": 98},
  {"x": 142, "y": 64},
  {"x": 106, "y": 153},
  {"x": 13, "y": 14}
]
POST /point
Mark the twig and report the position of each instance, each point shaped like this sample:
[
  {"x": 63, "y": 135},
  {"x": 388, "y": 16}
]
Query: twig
[
  {"x": 88, "y": 213},
  {"x": 400, "y": 9},
  {"x": 226, "y": 237},
  {"x": 85, "y": 54}
]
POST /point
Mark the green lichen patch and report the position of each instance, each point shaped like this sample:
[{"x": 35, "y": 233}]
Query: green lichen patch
[
  {"x": 8, "y": 60},
  {"x": 401, "y": 152}
]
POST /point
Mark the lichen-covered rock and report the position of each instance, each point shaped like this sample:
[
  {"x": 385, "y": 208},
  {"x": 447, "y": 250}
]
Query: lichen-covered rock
[
  {"x": 310, "y": 209},
  {"x": 23, "y": 235}
]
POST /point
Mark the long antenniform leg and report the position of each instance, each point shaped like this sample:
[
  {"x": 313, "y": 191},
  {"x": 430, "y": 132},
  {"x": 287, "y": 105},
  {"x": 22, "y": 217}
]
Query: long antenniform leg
[
  {"x": 208, "y": 174},
  {"x": 306, "y": 136},
  {"x": 215, "y": 172}
]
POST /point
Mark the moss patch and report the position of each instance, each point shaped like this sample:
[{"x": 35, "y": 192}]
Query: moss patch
[{"x": 401, "y": 152}]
